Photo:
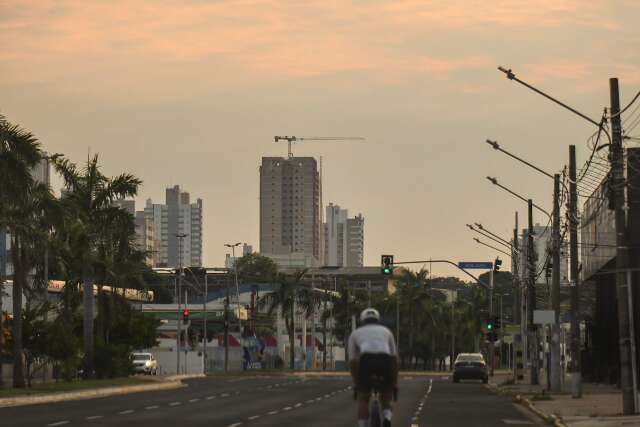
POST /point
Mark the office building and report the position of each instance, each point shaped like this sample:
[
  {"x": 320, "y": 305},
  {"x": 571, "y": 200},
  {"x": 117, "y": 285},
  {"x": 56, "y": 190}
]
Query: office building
[
  {"x": 145, "y": 237},
  {"x": 290, "y": 216},
  {"x": 178, "y": 216},
  {"x": 343, "y": 238}
]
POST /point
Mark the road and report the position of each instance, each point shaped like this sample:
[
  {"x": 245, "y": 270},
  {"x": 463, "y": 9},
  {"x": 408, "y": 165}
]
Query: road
[{"x": 278, "y": 401}]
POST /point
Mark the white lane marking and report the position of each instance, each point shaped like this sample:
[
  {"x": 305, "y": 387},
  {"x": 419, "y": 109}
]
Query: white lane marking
[
  {"x": 287, "y": 408},
  {"x": 149, "y": 408},
  {"x": 210, "y": 397},
  {"x": 326, "y": 396},
  {"x": 272, "y": 413},
  {"x": 430, "y": 386},
  {"x": 297, "y": 405},
  {"x": 234, "y": 425},
  {"x": 253, "y": 417},
  {"x": 127, "y": 412},
  {"x": 318, "y": 399},
  {"x": 194, "y": 400},
  {"x": 225, "y": 395},
  {"x": 310, "y": 401},
  {"x": 94, "y": 417},
  {"x": 175, "y": 403},
  {"x": 59, "y": 423}
]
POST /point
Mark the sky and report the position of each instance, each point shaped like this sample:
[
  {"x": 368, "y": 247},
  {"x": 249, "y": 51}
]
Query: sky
[{"x": 191, "y": 92}]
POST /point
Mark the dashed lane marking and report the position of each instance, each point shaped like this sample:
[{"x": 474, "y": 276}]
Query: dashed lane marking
[
  {"x": 272, "y": 413},
  {"x": 253, "y": 417},
  {"x": 127, "y": 412},
  {"x": 225, "y": 395},
  {"x": 211, "y": 397},
  {"x": 234, "y": 425},
  {"x": 149, "y": 408},
  {"x": 194, "y": 400},
  {"x": 297, "y": 405},
  {"x": 175, "y": 403},
  {"x": 286, "y": 408},
  {"x": 59, "y": 423},
  {"x": 93, "y": 417}
]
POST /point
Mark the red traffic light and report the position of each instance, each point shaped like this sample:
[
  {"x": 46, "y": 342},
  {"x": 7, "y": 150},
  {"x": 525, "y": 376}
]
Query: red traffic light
[{"x": 185, "y": 312}]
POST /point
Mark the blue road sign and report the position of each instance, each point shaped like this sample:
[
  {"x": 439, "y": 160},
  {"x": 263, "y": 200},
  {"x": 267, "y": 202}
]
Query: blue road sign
[{"x": 475, "y": 265}]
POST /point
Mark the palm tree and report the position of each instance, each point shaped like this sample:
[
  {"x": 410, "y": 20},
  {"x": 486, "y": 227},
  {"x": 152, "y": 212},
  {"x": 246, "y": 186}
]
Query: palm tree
[
  {"x": 23, "y": 206},
  {"x": 89, "y": 197},
  {"x": 288, "y": 291},
  {"x": 413, "y": 288}
]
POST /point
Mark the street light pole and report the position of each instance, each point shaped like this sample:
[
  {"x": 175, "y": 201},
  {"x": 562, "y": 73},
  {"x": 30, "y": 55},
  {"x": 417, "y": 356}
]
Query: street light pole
[
  {"x": 178, "y": 319},
  {"x": 235, "y": 271}
]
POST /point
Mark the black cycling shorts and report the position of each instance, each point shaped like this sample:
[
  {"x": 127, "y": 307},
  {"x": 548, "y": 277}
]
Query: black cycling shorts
[{"x": 375, "y": 370}]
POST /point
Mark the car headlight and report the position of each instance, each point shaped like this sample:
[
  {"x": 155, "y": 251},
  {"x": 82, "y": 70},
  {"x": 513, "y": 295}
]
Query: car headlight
[{"x": 147, "y": 363}]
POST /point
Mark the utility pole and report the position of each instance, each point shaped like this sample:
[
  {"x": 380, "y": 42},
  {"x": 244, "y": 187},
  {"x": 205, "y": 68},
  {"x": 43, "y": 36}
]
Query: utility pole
[
  {"x": 179, "y": 317},
  {"x": 226, "y": 326},
  {"x": 204, "y": 333},
  {"x": 491, "y": 342},
  {"x": 555, "y": 289},
  {"x": 516, "y": 272},
  {"x": 622, "y": 255},
  {"x": 576, "y": 380},
  {"x": 531, "y": 297}
]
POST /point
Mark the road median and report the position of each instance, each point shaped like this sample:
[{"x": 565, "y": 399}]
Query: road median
[{"x": 87, "y": 393}]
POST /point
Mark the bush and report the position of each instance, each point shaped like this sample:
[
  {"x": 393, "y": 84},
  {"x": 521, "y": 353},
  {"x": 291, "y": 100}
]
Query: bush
[{"x": 112, "y": 360}]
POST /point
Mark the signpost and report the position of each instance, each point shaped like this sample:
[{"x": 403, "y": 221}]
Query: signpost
[{"x": 475, "y": 265}]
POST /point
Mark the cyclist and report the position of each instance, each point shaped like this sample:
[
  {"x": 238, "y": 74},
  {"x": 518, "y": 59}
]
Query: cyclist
[{"x": 373, "y": 352}]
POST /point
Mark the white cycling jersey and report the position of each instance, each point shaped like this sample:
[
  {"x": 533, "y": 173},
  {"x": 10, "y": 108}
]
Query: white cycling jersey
[{"x": 371, "y": 339}]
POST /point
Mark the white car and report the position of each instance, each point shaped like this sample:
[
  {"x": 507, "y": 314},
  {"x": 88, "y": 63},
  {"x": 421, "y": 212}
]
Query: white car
[{"x": 144, "y": 363}]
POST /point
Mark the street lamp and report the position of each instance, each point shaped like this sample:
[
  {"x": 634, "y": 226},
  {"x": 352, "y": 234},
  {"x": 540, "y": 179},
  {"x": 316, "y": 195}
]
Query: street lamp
[
  {"x": 235, "y": 271},
  {"x": 495, "y": 182},
  {"x": 492, "y": 247},
  {"x": 204, "y": 307},
  {"x": 489, "y": 236}
]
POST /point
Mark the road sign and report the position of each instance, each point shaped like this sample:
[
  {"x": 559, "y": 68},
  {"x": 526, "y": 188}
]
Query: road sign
[
  {"x": 544, "y": 317},
  {"x": 475, "y": 265}
]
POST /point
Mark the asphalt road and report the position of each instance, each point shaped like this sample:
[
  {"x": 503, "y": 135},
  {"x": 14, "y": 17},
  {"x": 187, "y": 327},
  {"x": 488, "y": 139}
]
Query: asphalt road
[{"x": 278, "y": 401}]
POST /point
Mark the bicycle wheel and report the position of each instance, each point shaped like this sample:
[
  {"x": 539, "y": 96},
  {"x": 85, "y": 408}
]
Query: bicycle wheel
[{"x": 375, "y": 414}]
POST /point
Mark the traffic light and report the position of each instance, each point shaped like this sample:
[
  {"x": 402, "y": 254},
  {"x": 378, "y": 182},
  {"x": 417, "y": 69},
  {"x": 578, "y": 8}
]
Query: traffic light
[
  {"x": 490, "y": 325},
  {"x": 548, "y": 269},
  {"x": 386, "y": 264},
  {"x": 497, "y": 324},
  {"x": 185, "y": 315},
  {"x": 496, "y": 265}
]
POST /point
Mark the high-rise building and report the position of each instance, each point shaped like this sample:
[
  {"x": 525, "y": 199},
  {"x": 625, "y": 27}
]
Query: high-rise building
[
  {"x": 290, "y": 203},
  {"x": 127, "y": 205},
  {"x": 145, "y": 236},
  {"x": 355, "y": 241},
  {"x": 178, "y": 216},
  {"x": 343, "y": 238},
  {"x": 41, "y": 173}
]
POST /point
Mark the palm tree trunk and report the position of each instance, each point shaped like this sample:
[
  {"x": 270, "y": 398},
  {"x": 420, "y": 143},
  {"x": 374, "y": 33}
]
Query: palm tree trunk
[
  {"x": 87, "y": 327},
  {"x": 19, "y": 278},
  {"x": 1, "y": 330},
  {"x": 292, "y": 334}
]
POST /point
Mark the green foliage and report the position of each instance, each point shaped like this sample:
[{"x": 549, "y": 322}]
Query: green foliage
[
  {"x": 257, "y": 268},
  {"x": 112, "y": 360}
]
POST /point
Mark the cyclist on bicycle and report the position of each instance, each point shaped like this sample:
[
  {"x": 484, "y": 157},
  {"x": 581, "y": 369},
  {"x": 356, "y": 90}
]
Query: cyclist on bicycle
[{"x": 373, "y": 353}]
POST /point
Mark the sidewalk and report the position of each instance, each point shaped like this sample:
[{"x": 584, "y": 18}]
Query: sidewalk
[{"x": 600, "y": 406}]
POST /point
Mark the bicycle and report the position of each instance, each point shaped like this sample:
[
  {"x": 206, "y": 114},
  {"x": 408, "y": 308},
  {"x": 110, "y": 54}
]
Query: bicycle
[{"x": 376, "y": 416}]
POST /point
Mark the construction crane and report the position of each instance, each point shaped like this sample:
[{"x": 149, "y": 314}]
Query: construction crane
[{"x": 293, "y": 139}]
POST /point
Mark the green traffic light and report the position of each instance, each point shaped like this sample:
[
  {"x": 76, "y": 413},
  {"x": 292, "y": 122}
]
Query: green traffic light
[
  {"x": 489, "y": 326},
  {"x": 387, "y": 270}
]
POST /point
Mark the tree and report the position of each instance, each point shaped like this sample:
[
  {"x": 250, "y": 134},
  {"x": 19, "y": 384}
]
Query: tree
[
  {"x": 89, "y": 198},
  {"x": 413, "y": 291},
  {"x": 288, "y": 291},
  {"x": 256, "y": 267},
  {"x": 22, "y": 204}
]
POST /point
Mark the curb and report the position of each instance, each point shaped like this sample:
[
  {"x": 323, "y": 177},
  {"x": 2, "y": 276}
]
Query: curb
[
  {"x": 86, "y": 394},
  {"x": 551, "y": 419}
]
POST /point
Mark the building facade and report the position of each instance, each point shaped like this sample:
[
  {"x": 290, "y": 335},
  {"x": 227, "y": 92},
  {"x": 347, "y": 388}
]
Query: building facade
[
  {"x": 177, "y": 217},
  {"x": 145, "y": 236},
  {"x": 343, "y": 238},
  {"x": 290, "y": 217}
]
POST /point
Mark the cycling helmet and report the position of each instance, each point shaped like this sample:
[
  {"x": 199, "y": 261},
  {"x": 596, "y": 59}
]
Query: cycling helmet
[{"x": 369, "y": 315}]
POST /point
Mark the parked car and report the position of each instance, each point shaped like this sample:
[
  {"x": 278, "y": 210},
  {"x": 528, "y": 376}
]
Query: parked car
[
  {"x": 470, "y": 366},
  {"x": 144, "y": 363}
]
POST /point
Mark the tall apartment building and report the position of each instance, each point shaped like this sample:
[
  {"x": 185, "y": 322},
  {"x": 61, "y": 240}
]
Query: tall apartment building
[
  {"x": 145, "y": 236},
  {"x": 290, "y": 201},
  {"x": 178, "y": 216},
  {"x": 41, "y": 172},
  {"x": 343, "y": 238}
]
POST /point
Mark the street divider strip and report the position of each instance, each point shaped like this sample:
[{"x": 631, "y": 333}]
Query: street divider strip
[{"x": 88, "y": 394}]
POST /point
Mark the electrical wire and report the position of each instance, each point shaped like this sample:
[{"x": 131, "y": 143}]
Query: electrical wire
[{"x": 625, "y": 108}]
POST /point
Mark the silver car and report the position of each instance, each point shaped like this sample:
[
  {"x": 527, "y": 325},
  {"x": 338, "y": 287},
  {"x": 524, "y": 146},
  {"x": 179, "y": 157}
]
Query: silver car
[{"x": 144, "y": 363}]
